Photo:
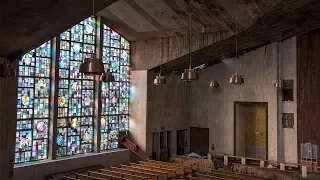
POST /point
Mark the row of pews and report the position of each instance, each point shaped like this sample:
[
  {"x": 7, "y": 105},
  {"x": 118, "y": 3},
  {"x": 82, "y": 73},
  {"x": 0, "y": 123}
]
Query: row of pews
[{"x": 157, "y": 170}]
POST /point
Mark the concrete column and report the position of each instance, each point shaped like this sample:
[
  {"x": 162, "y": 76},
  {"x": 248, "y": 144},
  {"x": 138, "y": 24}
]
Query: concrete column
[
  {"x": 8, "y": 117},
  {"x": 243, "y": 161},
  {"x": 138, "y": 109},
  {"x": 225, "y": 160},
  {"x": 282, "y": 166},
  {"x": 262, "y": 163},
  {"x": 304, "y": 171}
]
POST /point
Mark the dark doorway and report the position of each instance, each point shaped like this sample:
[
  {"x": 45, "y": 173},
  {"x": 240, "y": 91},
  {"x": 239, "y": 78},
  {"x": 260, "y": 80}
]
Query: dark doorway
[
  {"x": 199, "y": 140},
  {"x": 251, "y": 129},
  {"x": 180, "y": 142}
]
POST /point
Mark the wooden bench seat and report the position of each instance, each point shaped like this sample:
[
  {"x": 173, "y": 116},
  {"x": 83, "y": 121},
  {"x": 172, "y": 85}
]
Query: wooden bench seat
[
  {"x": 122, "y": 174},
  {"x": 239, "y": 175},
  {"x": 161, "y": 175},
  {"x": 171, "y": 172},
  {"x": 106, "y": 176},
  {"x": 86, "y": 177},
  {"x": 179, "y": 169},
  {"x": 150, "y": 176}
]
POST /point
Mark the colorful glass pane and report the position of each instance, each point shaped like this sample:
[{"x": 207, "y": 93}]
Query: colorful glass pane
[
  {"x": 114, "y": 95},
  {"x": 33, "y": 105},
  {"x": 76, "y": 91}
]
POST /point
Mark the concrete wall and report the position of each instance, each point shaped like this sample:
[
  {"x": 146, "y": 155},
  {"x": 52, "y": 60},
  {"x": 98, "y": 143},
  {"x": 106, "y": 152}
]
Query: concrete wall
[
  {"x": 146, "y": 54},
  {"x": 179, "y": 105},
  {"x": 215, "y": 108},
  {"x": 167, "y": 108},
  {"x": 8, "y": 106},
  {"x": 39, "y": 171},
  {"x": 138, "y": 108}
]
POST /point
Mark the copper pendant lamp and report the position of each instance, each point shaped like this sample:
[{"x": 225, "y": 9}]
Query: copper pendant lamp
[
  {"x": 160, "y": 80},
  {"x": 236, "y": 79},
  {"x": 93, "y": 65},
  {"x": 190, "y": 74},
  {"x": 214, "y": 84},
  {"x": 107, "y": 77}
]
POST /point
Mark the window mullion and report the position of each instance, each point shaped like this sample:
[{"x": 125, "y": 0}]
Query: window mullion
[
  {"x": 54, "y": 98},
  {"x": 97, "y": 113}
]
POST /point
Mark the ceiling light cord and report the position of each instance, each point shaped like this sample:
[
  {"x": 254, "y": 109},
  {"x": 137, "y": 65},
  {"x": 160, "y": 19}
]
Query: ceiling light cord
[
  {"x": 190, "y": 24},
  {"x": 92, "y": 7},
  {"x": 160, "y": 43}
]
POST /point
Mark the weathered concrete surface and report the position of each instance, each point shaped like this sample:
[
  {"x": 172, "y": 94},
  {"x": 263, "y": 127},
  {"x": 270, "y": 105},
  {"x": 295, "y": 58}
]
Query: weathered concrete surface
[
  {"x": 178, "y": 105},
  {"x": 27, "y": 24},
  {"x": 8, "y": 119}
]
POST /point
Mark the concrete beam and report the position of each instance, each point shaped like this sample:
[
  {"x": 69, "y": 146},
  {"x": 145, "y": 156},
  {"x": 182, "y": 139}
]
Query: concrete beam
[
  {"x": 23, "y": 29},
  {"x": 146, "y": 54},
  {"x": 285, "y": 20}
]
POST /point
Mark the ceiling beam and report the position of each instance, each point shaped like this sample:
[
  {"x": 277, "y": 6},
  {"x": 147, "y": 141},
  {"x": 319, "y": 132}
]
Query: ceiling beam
[
  {"x": 31, "y": 23},
  {"x": 287, "y": 19}
]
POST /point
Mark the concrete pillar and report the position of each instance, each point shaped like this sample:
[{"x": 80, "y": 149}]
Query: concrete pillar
[
  {"x": 225, "y": 160},
  {"x": 282, "y": 166},
  {"x": 262, "y": 164},
  {"x": 304, "y": 171},
  {"x": 243, "y": 161},
  {"x": 8, "y": 117},
  {"x": 209, "y": 157},
  {"x": 138, "y": 109}
]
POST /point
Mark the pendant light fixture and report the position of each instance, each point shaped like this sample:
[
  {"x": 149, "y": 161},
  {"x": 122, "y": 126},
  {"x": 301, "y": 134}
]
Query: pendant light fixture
[
  {"x": 214, "y": 84},
  {"x": 279, "y": 84},
  {"x": 160, "y": 80},
  {"x": 93, "y": 65},
  {"x": 107, "y": 77},
  {"x": 189, "y": 74},
  {"x": 235, "y": 78}
]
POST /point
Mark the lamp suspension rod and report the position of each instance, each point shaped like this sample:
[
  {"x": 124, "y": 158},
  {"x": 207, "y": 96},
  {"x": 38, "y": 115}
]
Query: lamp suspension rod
[
  {"x": 93, "y": 7},
  {"x": 190, "y": 23},
  {"x": 160, "y": 42}
]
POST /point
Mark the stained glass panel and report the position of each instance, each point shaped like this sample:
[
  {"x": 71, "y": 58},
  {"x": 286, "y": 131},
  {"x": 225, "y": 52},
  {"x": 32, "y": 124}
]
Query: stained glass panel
[
  {"x": 33, "y": 105},
  {"x": 114, "y": 95},
  {"x": 76, "y": 91}
]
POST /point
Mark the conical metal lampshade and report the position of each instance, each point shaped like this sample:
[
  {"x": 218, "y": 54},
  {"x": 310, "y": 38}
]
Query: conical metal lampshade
[
  {"x": 232, "y": 79},
  {"x": 92, "y": 66},
  {"x": 189, "y": 75},
  {"x": 7, "y": 70},
  {"x": 107, "y": 77},
  {"x": 214, "y": 84},
  {"x": 159, "y": 80}
]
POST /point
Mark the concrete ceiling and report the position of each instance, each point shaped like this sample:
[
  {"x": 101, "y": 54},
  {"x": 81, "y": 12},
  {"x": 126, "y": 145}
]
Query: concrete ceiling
[
  {"x": 25, "y": 24},
  {"x": 286, "y": 19},
  {"x": 141, "y": 19}
]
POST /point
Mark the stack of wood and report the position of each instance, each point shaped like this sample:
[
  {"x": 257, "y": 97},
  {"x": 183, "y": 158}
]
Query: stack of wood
[{"x": 201, "y": 165}]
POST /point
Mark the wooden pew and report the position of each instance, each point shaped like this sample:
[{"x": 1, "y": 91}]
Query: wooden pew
[
  {"x": 188, "y": 168},
  {"x": 86, "y": 177},
  {"x": 180, "y": 171},
  {"x": 161, "y": 175},
  {"x": 105, "y": 176},
  {"x": 171, "y": 172},
  {"x": 237, "y": 175},
  {"x": 68, "y": 178},
  {"x": 150, "y": 176},
  {"x": 122, "y": 174},
  {"x": 203, "y": 176}
]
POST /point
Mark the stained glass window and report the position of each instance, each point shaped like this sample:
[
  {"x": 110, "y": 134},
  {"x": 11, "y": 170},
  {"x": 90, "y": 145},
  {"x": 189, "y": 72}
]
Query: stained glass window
[
  {"x": 114, "y": 95},
  {"x": 74, "y": 95},
  {"x": 33, "y": 105},
  {"x": 75, "y": 91}
]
